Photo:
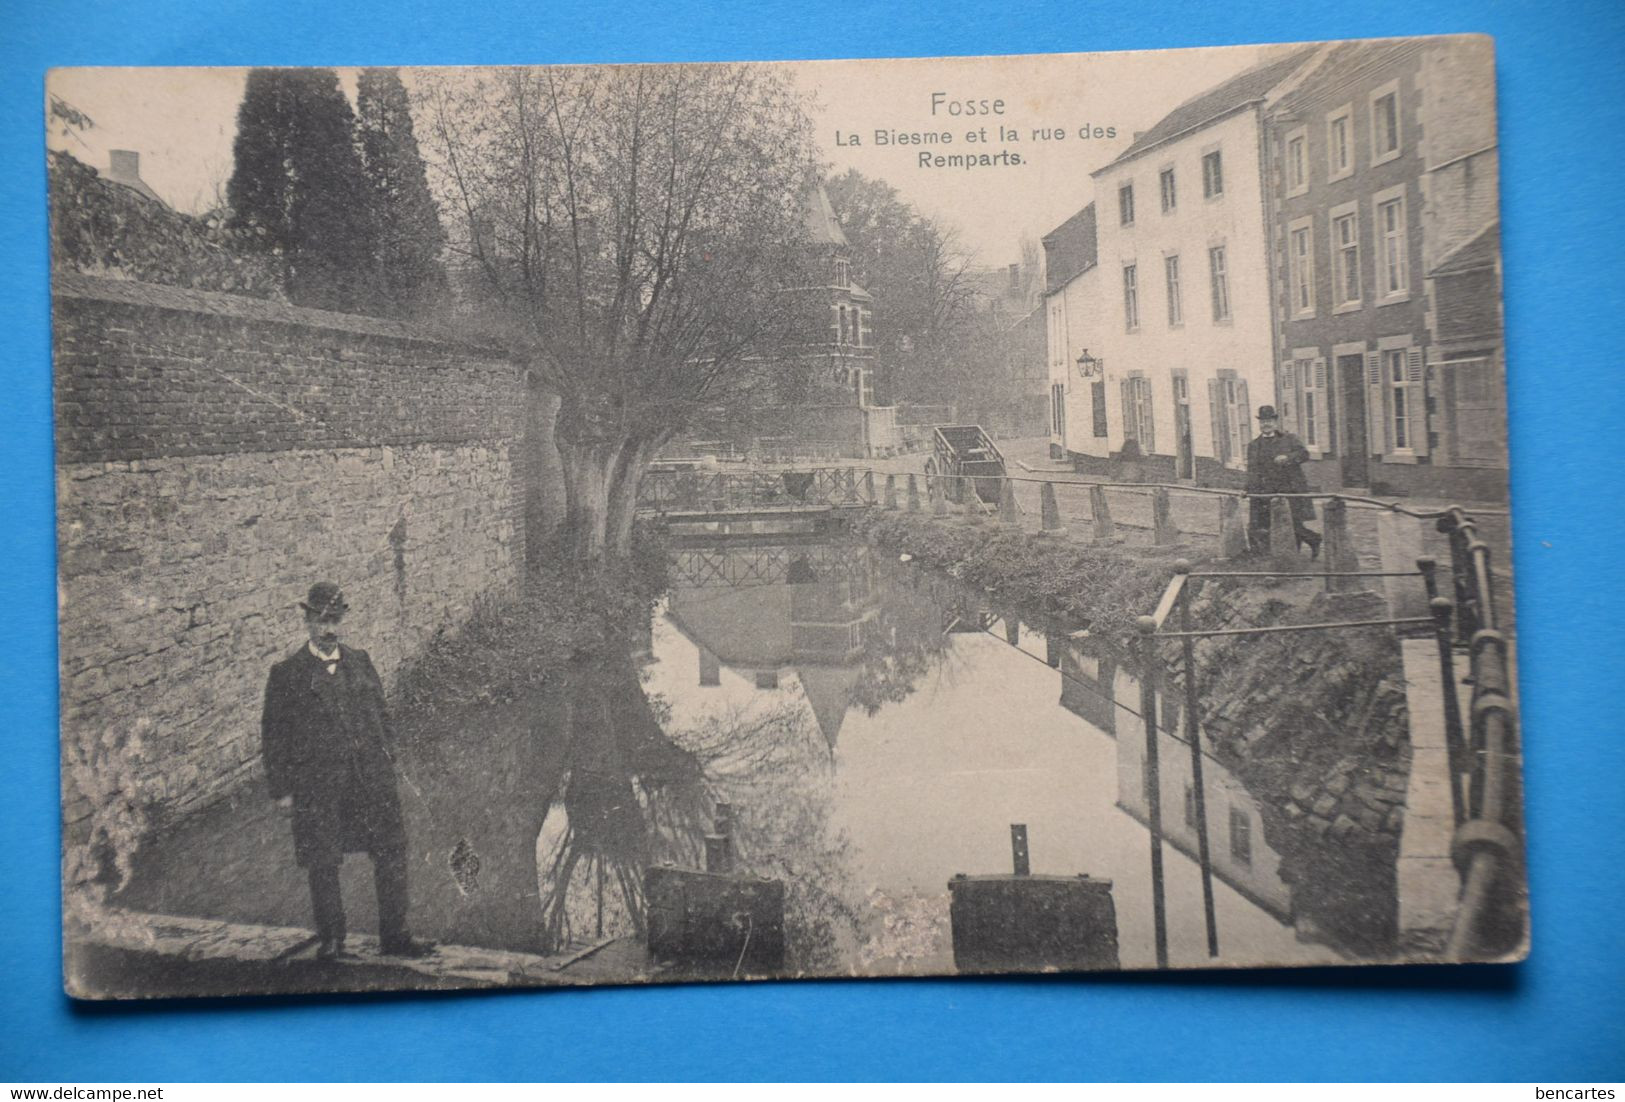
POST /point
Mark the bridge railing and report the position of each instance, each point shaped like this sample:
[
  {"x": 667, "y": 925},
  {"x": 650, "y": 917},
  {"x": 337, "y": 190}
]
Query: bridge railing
[{"x": 721, "y": 491}]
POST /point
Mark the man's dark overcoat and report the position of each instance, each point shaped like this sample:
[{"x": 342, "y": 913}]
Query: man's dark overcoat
[
  {"x": 325, "y": 738},
  {"x": 1266, "y": 476}
]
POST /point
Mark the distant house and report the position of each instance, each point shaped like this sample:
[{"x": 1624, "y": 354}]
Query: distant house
[
  {"x": 1077, "y": 400},
  {"x": 124, "y": 167}
]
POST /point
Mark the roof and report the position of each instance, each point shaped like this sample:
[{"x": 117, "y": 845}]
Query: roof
[
  {"x": 1244, "y": 88},
  {"x": 1070, "y": 249},
  {"x": 1480, "y": 251},
  {"x": 823, "y": 228}
]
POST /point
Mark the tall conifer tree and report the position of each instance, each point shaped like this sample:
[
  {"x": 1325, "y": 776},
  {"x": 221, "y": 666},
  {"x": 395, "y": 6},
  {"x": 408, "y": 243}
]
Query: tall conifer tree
[
  {"x": 407, "y": 227},
  {"x": 297, "y": 185}
]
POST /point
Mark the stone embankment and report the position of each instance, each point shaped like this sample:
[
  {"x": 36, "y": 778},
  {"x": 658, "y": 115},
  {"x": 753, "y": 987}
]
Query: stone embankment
[{"x": 1314, "y": 725}]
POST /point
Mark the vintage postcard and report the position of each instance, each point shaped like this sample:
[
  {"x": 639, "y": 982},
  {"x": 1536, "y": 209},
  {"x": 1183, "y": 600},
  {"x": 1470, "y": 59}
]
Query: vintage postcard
[{"x": 622, "y": 524}]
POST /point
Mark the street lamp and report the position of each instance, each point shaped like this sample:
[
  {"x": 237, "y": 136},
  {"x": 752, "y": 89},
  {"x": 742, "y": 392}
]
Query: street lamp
[{"x": 1090, "y": 366}]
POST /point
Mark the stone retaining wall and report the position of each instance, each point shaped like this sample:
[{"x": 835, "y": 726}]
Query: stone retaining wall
[{"x": 215, "y": 455}]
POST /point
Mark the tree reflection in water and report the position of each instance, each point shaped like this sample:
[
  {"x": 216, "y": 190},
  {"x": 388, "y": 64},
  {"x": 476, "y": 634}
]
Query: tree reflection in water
[{"x": 634, "y": 792}]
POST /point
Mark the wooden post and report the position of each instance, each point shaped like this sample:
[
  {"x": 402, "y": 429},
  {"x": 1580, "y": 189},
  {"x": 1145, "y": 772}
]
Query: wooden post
[
  {"x": 972, "y": 500},
  {"x": 1008, "y": 512},
  {"x": 1232, "y": 530},
  {"x": 1018, "y": 849},
  {"x": 1050, "y": 512},
  {"x": 1339, "y": 549},
  {"x": 939, "y": 495},
  {"x": 1105, "y": 531},
  {"x": 1283, "y": 538},
  {"x": 891, "y": 492},
  {"x": 869, "y": 486},
  {"x": 913, "y": 497},
  {"x": 1164, "y": 530}
]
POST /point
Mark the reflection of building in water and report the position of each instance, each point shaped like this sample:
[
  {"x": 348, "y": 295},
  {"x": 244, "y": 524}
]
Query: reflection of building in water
[
  {"x": 1241, "y": 858},
  {"x": 811, "y": 614},
  {"x": 1089, "y": 687}
]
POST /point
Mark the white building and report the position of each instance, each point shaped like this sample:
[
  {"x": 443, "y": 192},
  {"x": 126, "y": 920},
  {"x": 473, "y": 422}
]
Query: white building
[
  {"x": 1072, "y": 298},
  {"x": 1181, "y": 318}
]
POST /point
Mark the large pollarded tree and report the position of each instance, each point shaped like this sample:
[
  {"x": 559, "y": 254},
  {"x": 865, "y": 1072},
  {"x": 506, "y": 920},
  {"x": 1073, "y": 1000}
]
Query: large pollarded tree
[{"x": 637, "y": 234}]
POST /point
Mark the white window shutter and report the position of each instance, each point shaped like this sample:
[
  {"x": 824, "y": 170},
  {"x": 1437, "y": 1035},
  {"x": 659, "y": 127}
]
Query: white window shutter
[
  {"x": 1130, "y": 431},
  {"x": 1221, "y": 437},
  {"x": 1376, "y": 416},
  {"x": 1416, "y": 393},
  {"x": 1244, "y": 414}
]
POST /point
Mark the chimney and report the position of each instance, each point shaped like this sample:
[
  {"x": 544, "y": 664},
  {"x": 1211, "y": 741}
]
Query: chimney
[{"x": 124, "y": 165}]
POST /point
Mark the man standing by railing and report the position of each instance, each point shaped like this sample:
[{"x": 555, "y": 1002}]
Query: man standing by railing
[{"x": 1275, "y": 466}]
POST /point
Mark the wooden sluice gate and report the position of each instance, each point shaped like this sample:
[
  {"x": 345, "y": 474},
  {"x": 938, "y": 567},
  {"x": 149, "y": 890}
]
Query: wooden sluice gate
[
  {"x": 715, "y": 920},
  {"x": 1025, "y": 923}
]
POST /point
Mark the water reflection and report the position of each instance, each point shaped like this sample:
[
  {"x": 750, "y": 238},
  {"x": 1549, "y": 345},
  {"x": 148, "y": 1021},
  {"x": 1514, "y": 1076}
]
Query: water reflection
[{"x": 876, "y": 728}]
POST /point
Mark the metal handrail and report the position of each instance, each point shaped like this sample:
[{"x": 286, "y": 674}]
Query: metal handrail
[{"x": 1488, "y": 847}]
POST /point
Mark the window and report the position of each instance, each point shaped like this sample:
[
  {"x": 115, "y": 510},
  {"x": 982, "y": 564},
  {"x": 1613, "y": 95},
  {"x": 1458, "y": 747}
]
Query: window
[
  {"x": 1212, "y": 175},
  {"x": 1241, "y": 837},
  {"x": 1219, "y": 279},
  {"x": 1393, "y": 257},
  {"x": 1385, "y": 123},
  {"x": 1131, "y": 297},
  {"x": 1190, "y": 805},
  {"x": 1176, "y": 310},
  {"x": 1308, "y": 372},
  {"x": 1297, "y": 162},
  {"x": 1125, "y": 204},
  {"x": 843, "y": 276},
  {"x": 857, "y": 326},
  {"x": 1170, "y": 196},
  {"x": 1396, "y": 394},
  {"x": 1301, "y": 265},
  {"x": 1346, "y": 255},
  {"x": 1097, "y": 402},
  {"x": 845, "y": 332},
  {"x": 1232, "y": 417},
  {"x": 1137, "y": 422},
  {"x": 1402, "y": 432},
  {"x": 1340, "y": 143}
]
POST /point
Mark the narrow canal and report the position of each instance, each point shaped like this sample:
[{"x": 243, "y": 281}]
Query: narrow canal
[{"x": 876, "y": 729}]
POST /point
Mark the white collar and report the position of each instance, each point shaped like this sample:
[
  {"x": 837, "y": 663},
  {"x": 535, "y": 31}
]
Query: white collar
[{"x": 328, "y": 658}]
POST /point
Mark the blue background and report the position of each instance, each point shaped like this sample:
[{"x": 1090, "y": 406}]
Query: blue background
[{"x": 1560, "y": 1017}]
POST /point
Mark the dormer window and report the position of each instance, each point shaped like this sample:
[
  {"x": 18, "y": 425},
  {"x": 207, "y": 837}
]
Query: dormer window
[{"x": 843, "y": 274}]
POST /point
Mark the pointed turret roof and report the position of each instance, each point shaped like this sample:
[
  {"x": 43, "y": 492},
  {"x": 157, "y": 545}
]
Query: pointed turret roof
[{"x": 823, "y": 228}]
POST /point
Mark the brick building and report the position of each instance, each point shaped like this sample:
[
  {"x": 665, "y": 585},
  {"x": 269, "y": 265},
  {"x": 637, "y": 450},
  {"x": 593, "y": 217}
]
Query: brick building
[{"x": 1383, "y": 251}]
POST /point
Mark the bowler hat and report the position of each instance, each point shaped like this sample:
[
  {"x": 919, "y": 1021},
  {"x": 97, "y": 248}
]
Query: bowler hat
[
  {"x": 325, "y": 599},
  {"x": 1266, "y": 413}
]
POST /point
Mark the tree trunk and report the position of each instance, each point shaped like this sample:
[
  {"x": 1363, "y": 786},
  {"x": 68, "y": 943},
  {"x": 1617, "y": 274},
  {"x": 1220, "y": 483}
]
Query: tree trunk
[{"x": 601, "y": 486}]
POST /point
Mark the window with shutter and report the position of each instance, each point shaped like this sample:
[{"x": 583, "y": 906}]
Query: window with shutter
[
  {"x": 1316, "y": 421},
  {"x": 1375, "y": 416},
  {"x": 1130, "y": 428},
  {"x": 1244, "y": 417},
  {"x": 1289, "y": 401},
  {"x": 1416, "y": 374},
  {"x": 1097, "y": 399},
  {"x": 1215, "y": 408}
]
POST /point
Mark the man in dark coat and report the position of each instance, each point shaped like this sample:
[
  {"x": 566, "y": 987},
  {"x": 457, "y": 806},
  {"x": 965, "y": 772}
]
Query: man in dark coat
[
  {"x": 324, "y": 736},
  {"x": 1275, "y": 466}
]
